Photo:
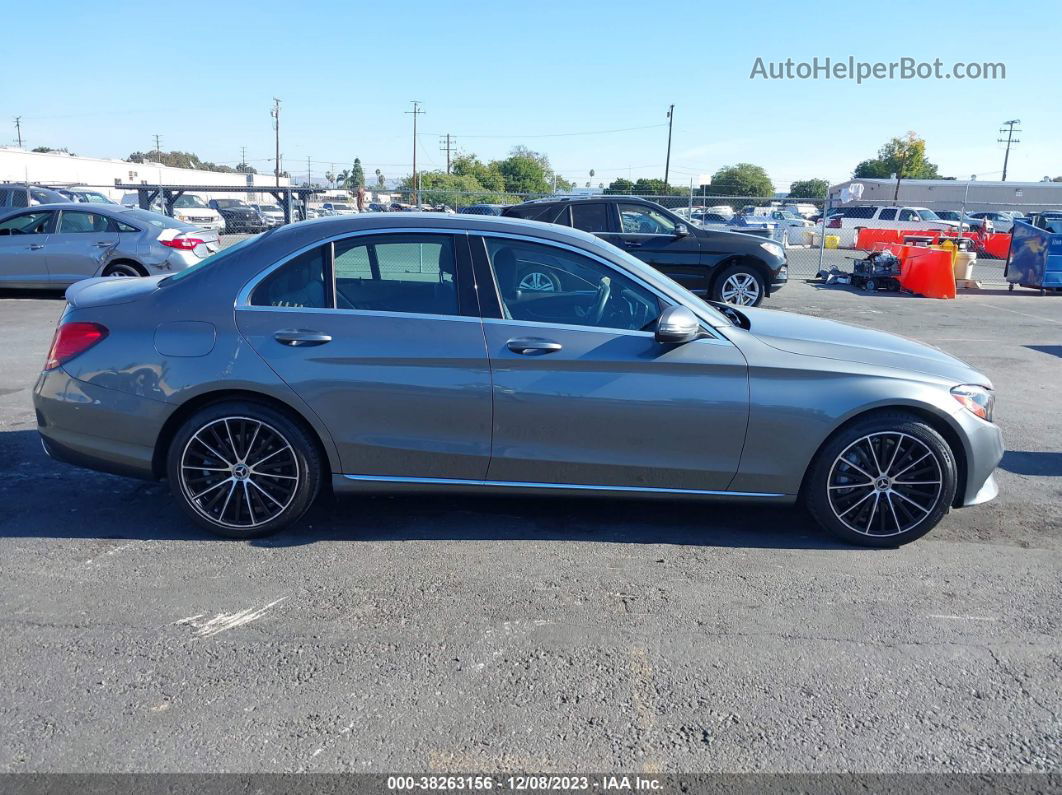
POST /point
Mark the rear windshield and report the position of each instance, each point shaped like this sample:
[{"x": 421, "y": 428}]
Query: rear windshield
[
  {"x": 209, "y": 261},
  {"x": 155, "y": 219}
]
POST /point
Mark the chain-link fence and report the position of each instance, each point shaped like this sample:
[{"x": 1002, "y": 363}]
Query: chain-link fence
[{"x": 812, "y": 242}]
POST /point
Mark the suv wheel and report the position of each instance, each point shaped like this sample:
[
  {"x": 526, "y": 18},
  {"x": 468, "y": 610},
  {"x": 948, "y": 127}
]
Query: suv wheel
[
  {"x": 882, "y": 482},
  {"x": 741, "y": 285},
  {"x": 243, "y": 470}
]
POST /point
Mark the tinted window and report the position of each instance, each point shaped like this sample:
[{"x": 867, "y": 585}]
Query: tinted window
[
  {"x": 908, "y": 215},
  {"x": 81, "y": 223},
  {"x": 26, "y": 224},
  {"x": 888, "y": 215},
  {"x": 299, "y": 283},
  {"x": 590, "y": 217},
  {"x": 397, "y": 273},
  {"x": 638, "y": 219},
  {"x": 19, "y": 198},
  {"x": 553, "y": 285},
  {"x": 858, "y": 212},
  {"x": 565, "y": 217}
]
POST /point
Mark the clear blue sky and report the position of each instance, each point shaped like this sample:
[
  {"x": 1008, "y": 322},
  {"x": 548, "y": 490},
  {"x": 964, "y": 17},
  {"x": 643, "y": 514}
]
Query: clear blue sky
[{"x": 103, "y": 78}]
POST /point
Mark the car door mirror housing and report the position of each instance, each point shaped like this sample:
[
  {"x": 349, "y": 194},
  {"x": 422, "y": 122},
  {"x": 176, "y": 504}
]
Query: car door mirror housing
[
  {"x": 681, "y": 230},
  {"x": 676, "y": 325}
]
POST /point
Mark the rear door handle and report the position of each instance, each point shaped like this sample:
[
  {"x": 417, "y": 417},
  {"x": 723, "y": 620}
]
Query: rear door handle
[
  {"x": 632, "y": 244},
  {"x": 299, "y": 338},
  {"x": 531, "y": 346},
  {"x": 36, "y": 246},
  {"x": 104, "y": 243}
]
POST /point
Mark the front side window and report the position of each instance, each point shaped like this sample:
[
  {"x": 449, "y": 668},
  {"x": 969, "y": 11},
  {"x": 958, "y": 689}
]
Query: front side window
[
  {"x": 590, "y": 217},
  {"x": 82, "y": 223},
  {"x": 547, "y": 284},
  {"x": 908, "y": 215},
  {"x": 397, "y": 273},
  {"x": 26, "y": 224},
  {"x": 300, "y": 282},
  {"x": 928, "y": 215},
  {"x": 636, "y": 219}
]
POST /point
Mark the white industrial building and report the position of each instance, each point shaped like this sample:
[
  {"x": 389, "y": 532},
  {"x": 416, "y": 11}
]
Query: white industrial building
[
  {"x": 950, "y": 194},
  {"x": 61, "y": 169}
]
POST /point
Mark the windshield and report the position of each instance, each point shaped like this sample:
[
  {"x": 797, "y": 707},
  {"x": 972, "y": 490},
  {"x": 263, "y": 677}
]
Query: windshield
[
  {"x": 269, "y": 208},
  {"x": 155, "y": 219},
  {"x": 209, "y": 261},
  {"x": 188, "y": 200},
  {"x": 230, "y": 203},
  {"x": 927, "y": 215},
  {"x": 340, "y": 206}
]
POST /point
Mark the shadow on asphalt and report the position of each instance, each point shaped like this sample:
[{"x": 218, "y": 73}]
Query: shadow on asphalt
[
  {"x": 48, "y": 499},
  {"x": 1052, "y": 350},
  {"x": 58, "y": 294},
  {"x": 1032, "y": 463}
]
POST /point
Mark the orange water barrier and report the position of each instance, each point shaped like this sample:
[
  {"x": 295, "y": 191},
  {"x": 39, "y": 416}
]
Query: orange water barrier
[{"x": 925, "y": 271}]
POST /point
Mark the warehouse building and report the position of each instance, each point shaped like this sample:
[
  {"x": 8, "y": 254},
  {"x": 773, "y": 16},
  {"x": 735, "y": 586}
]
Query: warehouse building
[{"x": 950, "y": 194}]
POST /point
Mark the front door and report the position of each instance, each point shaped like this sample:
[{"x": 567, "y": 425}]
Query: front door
[
  {"x": 80, "y": 245},
  {"x": 654, "y": 237},
  {"x": 24, "y": 250},
  {"x": 391, "y": 358},
  {"x": 583, "y": 393}
]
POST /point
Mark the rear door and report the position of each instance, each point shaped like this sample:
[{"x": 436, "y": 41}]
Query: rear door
[
  {"x": 381, "y": 335},
  {"x": 24, "y": 250},
  {"x": 80, "y": 245},
  {"x": 653, "y": 237}
]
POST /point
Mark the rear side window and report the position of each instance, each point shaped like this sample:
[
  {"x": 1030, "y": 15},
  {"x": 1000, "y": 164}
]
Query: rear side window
[
  {"x": 565, "y": 217},
  {"x": 590, "y": 217},
  {"x": 19, "y": 198},
  {"x": 887, "y": 214},
  {"x": 81, "y": 223},
  {"x": 416, "y": 274},
  {"x": 858, "y": 212},
  {"x": 300, "y": 282}
]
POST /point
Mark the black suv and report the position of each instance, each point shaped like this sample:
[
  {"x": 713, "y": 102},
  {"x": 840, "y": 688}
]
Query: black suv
[
  {"x": 239, "y": 216},
  {"x": 723, "y": 266}
]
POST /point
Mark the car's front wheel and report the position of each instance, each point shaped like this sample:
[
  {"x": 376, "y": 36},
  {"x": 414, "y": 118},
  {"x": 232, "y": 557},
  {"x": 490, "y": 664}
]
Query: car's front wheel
[
  {"x": 243, "y": 470},
  {"x": 882, "y": 482},
  {"x": 741, "y": 285}
]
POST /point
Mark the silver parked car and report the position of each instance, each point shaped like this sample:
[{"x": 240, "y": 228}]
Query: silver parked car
[
  {"x": 397, "y": 352},
  {"x": 55, "y": 245}
]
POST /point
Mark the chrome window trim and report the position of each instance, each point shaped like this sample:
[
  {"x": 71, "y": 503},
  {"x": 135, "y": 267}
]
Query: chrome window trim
[
  {"x": 317, "y": 310},
  {"x": 668, "y": 299},
  {"x": 574, "y": 486}
]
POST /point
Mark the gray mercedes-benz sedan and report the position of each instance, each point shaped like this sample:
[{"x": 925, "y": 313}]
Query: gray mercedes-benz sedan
[{"x": 398, "y": 352}]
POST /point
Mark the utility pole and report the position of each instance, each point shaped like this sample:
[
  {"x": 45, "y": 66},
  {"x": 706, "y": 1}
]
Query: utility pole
[
  {"x": 18, "y": 130},
  {"x": 307, "y": 171},
  {"x": 275, "y": 113},
  {"x": 448, "y": 145},
  {"x": 1008, "y": 128},
  {"x": 158, "y": 146},
  {"x": 243, "y": 155},
  {"x": 415, "y": 112},
  {"x": 667, "y": 163}
]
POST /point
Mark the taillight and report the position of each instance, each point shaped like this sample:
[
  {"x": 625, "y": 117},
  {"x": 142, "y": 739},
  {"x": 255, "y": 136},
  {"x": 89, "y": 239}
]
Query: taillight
[
  {"x": 183, "y": 243},
  {"x": 834, "y": 223},
  {"x": 72, "y": 339}
]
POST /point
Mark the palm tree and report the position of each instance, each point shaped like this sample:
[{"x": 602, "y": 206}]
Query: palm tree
[
  {"x": 330, "y": 178},
  {"x": 343, "y": 178}
]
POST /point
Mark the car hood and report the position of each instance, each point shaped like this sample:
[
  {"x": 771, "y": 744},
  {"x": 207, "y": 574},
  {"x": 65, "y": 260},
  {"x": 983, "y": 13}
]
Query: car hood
[{"x": 829, "y": 339}]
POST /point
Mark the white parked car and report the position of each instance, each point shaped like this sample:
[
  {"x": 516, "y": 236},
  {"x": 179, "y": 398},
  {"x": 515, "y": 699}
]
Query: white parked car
[
  {"x": 191, "y": 209},
  {"x": 339, "y": 208},
  {"x": 272, "y": 213},
  {"x": 803, "y": 209},
  {"x": 1001, "y": 221},
  {"x": 845, "y": 222}
]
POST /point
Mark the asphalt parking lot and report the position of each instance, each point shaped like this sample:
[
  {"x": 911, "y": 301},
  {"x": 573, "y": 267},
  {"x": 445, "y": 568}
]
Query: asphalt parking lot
[{"x": 487, "y": 634}]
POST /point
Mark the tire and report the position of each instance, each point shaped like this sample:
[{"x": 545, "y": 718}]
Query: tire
[
  {"x": 870, "y": 285},
  {"x": 535, "y": 280},
  {"x": 843, "y": 490},
  {"x": 211, "y": 456},
  {"x": 744, "y": 285},
  {"x": 122, "y": 269}
]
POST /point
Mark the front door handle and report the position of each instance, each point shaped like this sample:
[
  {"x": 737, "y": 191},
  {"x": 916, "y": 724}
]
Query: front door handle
[
  {"x": 36, "y": 246},
  {"x": 632, "y": 244},
  {"x": 532, "y": 346},
  {"x": 103, "y": 243},
  {"x": 299, "y": 338}
]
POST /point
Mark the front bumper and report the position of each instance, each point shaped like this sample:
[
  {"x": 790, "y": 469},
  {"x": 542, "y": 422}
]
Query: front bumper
[
  {"x": 98, "y": 428},
  {"x": 983, "y": 443}
]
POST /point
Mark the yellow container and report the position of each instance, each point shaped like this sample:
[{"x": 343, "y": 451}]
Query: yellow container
[
  {"x": 832, "y": 241},
  {"x": 947, "y": 245},
  {"x": 962, "y": 263}
]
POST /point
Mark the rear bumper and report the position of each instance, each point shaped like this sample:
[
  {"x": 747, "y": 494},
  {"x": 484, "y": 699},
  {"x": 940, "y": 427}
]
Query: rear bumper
[{"x": 98, "y": 428}]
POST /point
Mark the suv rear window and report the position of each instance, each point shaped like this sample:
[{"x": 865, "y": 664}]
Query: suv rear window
[
  {"x": 590, "y": 217},
  {"x": 858, "y": 212}
]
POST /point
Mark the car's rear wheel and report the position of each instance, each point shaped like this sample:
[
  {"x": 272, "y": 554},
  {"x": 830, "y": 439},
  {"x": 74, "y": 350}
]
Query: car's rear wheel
[
  {"x": 741, "y": 285},
  {"x": 882, "y": 482},
  {"x": 123, "y": 269},
  {"x": 243, "y": 470}
]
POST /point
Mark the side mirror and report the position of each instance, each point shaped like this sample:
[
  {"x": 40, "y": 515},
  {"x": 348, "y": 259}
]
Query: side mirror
[
  {"x": 681, "y": 230},
  {"x": 677, "y": 325}
]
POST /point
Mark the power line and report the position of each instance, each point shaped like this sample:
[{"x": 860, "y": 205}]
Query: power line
[
  {"x": 415, "y": 112},
  {"x": 1008, "y": 128},
  {"x": 667, "y": 163},
  {"x": 275, "y": 113},
  {"x": 18, "y": 130},
  {"x": 565, "y": 134}
]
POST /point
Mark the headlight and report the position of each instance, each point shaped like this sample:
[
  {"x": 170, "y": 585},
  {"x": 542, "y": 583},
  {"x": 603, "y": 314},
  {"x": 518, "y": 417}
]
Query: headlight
[
  {"x": 773, "y": 249},
  {"x": 976, "y": 399},
  {"x": 182, "y": 217}
]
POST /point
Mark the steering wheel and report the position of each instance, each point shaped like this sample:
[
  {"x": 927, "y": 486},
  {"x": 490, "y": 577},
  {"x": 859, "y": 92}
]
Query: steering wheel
[{"x": 604, "y": 292}]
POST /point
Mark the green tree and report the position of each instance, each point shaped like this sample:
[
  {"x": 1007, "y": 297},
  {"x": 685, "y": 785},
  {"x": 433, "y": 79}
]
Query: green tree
[
  {"x": 453, "y": 190},
  {"x": 809, "y": 189},
  {"x": 243, "y": 168},
  {"x": 357, "y": 174},
  {"x": 178, "y": 159},
  {"x": 742, "y": 179},
  {"x": 487, "y": 175},
  {"x": 620, "y": 186},
  {"x": 46, "y": 149},
  {"x": 380, "y": 181},
  {"x": 904, "y": 158},
  {"x": 525, "y": 171}
]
